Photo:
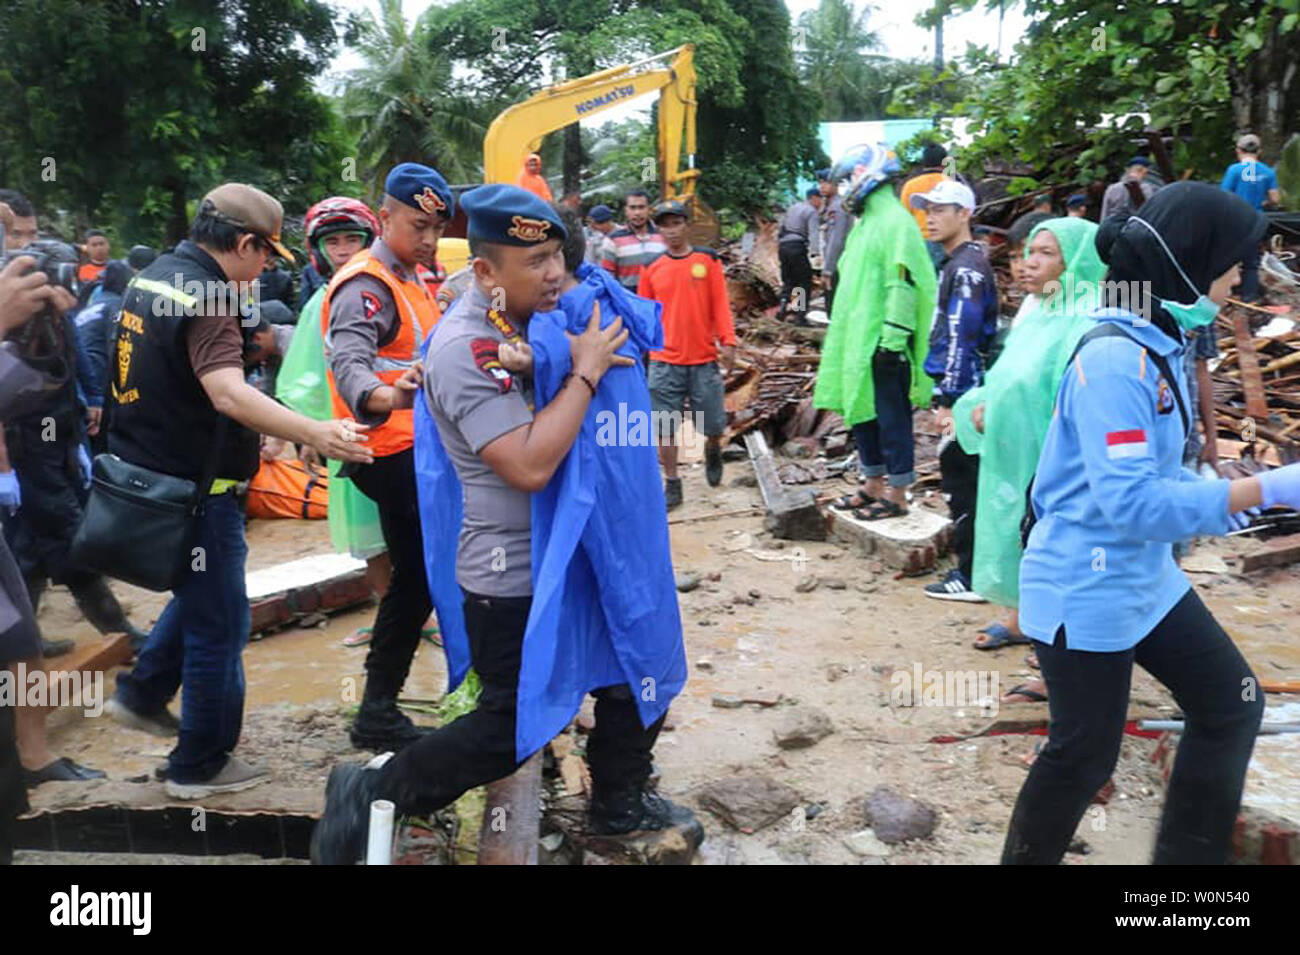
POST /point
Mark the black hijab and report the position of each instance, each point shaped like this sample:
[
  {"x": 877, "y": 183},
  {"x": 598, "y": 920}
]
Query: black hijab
[{"x": 1206, "y": 229}]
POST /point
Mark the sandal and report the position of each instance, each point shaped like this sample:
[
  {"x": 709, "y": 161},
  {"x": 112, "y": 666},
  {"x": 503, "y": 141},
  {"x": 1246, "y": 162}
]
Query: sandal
[
  {"x": 999, "y": 636},
  {"x": 1029, "y": 693},
  {"x": 1031, "y": 660},
  {"x": 880, "y": 510},
  {"x": 855, "y": 501}
]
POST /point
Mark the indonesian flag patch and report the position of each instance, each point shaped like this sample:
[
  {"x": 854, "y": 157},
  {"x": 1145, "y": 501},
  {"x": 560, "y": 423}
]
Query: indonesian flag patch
[
  {"x": 1126, "y": 444},
  {"x": 485, "y": 357}
]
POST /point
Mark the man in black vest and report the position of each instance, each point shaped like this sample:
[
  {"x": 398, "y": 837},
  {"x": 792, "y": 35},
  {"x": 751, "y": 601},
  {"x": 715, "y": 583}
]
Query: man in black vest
[{"x": 178, "y": 395}]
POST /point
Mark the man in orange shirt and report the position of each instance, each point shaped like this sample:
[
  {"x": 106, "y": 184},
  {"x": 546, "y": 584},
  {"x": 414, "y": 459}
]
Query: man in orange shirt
[
  {"x": 97, "y": 250},
  {"x": 688, "y": 281}
]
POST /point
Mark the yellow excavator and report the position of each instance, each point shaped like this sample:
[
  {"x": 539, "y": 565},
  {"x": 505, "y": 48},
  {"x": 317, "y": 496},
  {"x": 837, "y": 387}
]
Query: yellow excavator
[{"x": 519, "y": 130}]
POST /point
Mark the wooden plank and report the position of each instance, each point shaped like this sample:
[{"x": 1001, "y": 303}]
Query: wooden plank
[
  {"x": 1252, "y": 384},
  {"x": 1281, "y": 551},
  {"x": 792, "y": 512},
  {"x": 512, "y": 817}
]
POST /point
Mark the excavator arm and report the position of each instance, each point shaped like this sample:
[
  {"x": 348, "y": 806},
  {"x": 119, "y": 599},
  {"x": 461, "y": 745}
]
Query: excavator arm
[{"x": 519, "y": 130}]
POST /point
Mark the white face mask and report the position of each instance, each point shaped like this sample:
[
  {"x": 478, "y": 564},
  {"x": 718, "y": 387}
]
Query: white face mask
[{"x": 1201, "y": 312}]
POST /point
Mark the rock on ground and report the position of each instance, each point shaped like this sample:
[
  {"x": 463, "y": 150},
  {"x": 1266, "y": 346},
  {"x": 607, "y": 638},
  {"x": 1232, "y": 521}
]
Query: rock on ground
[
  {"x": 748, "y": 803},
  {"x": 802, "y": 726},
  {"x": 897, "y": 818}
]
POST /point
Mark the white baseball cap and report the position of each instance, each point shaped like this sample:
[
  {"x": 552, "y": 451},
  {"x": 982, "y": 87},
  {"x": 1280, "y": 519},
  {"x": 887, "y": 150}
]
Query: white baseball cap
[{"x": 946, "y": 192}]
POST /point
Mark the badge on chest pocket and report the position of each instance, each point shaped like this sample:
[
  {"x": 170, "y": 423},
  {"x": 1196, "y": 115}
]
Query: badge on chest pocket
[{"x": 1164, "y": 397}]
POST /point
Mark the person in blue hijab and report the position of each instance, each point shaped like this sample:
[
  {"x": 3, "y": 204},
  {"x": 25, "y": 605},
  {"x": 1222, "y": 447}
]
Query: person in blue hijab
[{"x": 546, "y": 541}]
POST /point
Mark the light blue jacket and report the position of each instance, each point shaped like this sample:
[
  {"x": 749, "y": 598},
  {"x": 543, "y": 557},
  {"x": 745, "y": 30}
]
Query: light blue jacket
[{"x": 1112, "y": 496}]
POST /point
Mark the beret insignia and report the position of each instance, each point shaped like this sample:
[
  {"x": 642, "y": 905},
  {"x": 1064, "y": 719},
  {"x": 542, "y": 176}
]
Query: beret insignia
[{"x": 528, "y": 230}]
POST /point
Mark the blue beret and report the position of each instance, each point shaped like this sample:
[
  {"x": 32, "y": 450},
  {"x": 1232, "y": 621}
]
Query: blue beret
[
  {"x": 421, "y": 187},
  {"x": 600, "y": 213},
  {"x": 508, "y": 215},
  {"x": 1078, "y": 199},
  {"x": 1140, "y": 161}
]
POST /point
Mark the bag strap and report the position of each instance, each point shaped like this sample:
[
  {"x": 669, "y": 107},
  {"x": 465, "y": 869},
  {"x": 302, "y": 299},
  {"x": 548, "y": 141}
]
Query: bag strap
[
  {"x": 203, "y": 487},
  {"x": 1104, "y": 330},
  {"x": 1113, "y": 330}
]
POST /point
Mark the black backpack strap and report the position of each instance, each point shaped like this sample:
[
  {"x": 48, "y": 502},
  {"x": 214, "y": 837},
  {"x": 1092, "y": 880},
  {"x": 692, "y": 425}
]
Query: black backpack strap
[{"x": 1106, "y": 330}]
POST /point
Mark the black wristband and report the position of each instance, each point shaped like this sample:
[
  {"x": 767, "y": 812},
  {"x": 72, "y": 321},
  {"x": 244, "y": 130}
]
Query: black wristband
[{"x": 585, "y": 380}]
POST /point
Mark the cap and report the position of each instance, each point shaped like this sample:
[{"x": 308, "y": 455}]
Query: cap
[
  {"x": 251, "y": 209},
  {"x": 600, "y": 213},
  {"x": 420, "y": 187},
  {"x": 508, "y": 215},
  {"x": 946, "y": 192},
  {"x": 1140, "y": 161},
  {"x": 1078, "y": 199},
  {"x": 669, "y": 207},
  {"x": 1248, "y": 143},
  {"x": 140, "y": 256}
]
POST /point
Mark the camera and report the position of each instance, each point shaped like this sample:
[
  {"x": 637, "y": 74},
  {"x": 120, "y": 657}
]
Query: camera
[{"x": 42, "y": 342}]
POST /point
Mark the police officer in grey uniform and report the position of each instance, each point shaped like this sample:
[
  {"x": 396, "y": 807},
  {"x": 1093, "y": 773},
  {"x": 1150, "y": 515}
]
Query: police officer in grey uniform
[{"x": 502, "y": 453}]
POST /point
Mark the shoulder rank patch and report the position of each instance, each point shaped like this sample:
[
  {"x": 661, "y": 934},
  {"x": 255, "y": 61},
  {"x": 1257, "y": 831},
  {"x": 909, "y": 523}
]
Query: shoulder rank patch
[
  {"x": 485, "y": 357},
  {"x": 528, "y": 230},
  {"x": 1164, "y": 397},
  {"x": 371, "y": 305}
]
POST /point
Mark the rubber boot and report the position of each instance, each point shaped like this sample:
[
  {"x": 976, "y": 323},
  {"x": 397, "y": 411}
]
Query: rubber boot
[
  {"x": 618, "y": 811},
  {"x": 672, "y": 493},
  {"x": 99, "y": 605}
]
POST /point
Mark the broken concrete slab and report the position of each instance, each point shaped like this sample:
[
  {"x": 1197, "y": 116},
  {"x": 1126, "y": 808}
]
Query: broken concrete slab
[
  {"x": 322, "y": 583},
  {"x": 911, "y": 543},
  {"x": 792, "y": 512},
  {"x": 748, "y": 803}
]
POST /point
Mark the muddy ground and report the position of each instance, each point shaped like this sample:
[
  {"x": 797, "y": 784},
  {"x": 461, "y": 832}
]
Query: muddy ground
[{"x": 750, "y": 634}]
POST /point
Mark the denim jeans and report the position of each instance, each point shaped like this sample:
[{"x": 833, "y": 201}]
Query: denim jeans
[
  {"x": 885, "y": 444},
  {"x": 197, "y": 643}
]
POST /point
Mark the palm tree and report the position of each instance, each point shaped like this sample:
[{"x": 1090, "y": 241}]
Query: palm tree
[
  {"x": 836, "y": 59},
  {"x": 405, "y": 103}
]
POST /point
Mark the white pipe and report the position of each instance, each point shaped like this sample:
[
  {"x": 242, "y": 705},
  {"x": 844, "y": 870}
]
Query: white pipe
[{"x": 379, "y": 848}]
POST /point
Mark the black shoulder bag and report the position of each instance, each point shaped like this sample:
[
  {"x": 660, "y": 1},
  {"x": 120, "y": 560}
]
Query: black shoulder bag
[
  {"x": 138, "y": 525},
  {"x": 1104, "y": 330}
]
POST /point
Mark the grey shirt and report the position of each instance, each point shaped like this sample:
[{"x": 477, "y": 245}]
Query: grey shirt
[
  {"x": 836, "y": 223},
  {"x": 801, "y": 223},
  {"x": 1117, "y": 201},
  {"x": 363, "y": 318},
  {"x": 474, "y": 401}
]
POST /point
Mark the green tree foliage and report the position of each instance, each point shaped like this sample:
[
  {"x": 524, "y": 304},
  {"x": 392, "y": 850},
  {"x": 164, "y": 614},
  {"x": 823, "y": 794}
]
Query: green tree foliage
[
  {"x": 835, "y": 50},
  {"x": 406, "y": 104},
  {"x": 126, "y": 111},
  {"x": 1069, "y": 102}
]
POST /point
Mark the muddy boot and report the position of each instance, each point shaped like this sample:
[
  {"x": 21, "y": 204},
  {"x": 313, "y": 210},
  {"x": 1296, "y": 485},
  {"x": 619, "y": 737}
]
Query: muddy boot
[
  {"x": 381, "y": 726},
  {"x": 99, "y": 605},
  {"x": 673, "y": 492},
  {"x": 340, "y": 836},
  {"x": 616, "y": 812},
  {"x": 713, "y": 464}
]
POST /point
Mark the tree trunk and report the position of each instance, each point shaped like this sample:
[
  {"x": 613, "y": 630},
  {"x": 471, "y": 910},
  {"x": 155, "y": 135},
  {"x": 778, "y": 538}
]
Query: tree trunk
[
  {"x": 1264, "y": 92},
  {"x": 574, "y": 159},
  {"x": 178, "y": 225}
]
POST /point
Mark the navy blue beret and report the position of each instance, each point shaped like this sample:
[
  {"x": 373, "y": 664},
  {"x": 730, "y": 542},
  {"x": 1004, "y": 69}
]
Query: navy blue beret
[
  {"x": 421, "y": 187},
  {"x": 1078, "y": 199},
  {"x": 508, "y": 215}
]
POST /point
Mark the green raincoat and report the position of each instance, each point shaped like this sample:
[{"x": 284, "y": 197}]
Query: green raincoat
[
  {"x": 303, "y": 386},
  {"x": 883, "y": 243},
  {"x": 1018, "y": 394}
]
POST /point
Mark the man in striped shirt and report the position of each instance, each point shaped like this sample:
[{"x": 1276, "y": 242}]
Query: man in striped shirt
[{"x": 628, "y": 250}]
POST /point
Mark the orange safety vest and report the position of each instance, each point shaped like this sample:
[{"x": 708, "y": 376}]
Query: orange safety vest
[{"x": 417, "y": 314}]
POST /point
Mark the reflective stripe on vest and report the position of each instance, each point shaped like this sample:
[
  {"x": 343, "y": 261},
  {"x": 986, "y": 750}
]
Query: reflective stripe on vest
[{"x": 165, "y": 290}]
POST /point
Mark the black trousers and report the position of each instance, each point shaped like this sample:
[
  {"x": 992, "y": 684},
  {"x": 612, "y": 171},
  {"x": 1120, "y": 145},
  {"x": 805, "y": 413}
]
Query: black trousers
[
  {"x": 390, "y": 482},
  {"x": 796, "y": 278},
  {"x": 959, "y": 474},
  {"x": 1088, "y": 694},
  {"x": 479, "y": 747}
]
